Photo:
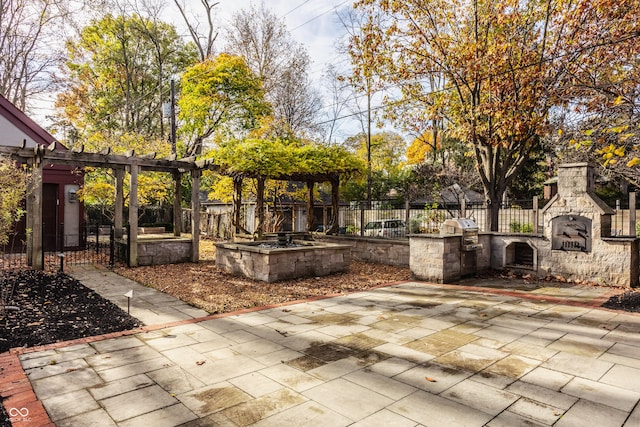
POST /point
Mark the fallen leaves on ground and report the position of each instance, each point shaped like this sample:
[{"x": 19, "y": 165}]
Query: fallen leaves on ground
[{"x": 206, "y": 286}]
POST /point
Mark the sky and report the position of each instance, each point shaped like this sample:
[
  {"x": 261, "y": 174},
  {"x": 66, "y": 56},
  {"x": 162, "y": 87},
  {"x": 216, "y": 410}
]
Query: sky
[{"x": 313, "y": 23}]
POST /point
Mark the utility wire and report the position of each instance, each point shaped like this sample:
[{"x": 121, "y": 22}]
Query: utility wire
[
  {"x": 295, "y": 8},
  {"x": 602, "y": 43},
  {"x": 320, "y": 15}
]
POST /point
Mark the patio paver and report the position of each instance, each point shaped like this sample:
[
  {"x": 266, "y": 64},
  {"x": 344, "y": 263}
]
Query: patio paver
[{"x": 407, "y": 355}]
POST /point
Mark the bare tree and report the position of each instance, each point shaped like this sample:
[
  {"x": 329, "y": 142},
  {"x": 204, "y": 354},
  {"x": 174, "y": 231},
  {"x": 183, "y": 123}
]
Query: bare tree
[
  {"x": 203, "y": 40},
  {"x": 339, "y": 98},
  {"x": 28, "y": 50},
  {"x": 282, "y": 64}
]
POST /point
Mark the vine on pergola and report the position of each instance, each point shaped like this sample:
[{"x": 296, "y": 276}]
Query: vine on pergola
[{"x": 263, "y": 159}]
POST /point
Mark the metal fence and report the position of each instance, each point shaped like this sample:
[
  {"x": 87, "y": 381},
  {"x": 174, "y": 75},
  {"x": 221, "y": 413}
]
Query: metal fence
[
  {"x": 96, "y": 245},
  {"x": 516, "y": 216}
]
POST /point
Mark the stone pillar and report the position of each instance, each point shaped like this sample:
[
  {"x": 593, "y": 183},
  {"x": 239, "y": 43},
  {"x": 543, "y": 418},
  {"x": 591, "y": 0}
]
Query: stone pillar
[
  {"x": 195, "y": 215},
  {"x": 133, "y": 215}
]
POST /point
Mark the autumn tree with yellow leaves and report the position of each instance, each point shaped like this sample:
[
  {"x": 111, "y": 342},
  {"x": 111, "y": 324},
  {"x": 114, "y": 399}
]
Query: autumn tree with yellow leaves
[{"x": 505, "y": 67}]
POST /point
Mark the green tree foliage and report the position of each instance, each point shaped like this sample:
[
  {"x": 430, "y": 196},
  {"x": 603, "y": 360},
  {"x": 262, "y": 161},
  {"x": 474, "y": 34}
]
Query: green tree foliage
[
  {"x": 505, "y": 65},
  {"x": 387, "y": 150},
  {"x": 117, "y": 76},
  {"x": 387, "y": 159},
  {"x": 13, "y": 189},
  {"x": 219, "y": 95},
  {"x": 276, "y": 158},
  {"x": 154, "y": 188}
]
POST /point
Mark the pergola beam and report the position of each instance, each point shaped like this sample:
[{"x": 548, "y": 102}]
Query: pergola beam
[
  {"x": 39, "y": 156},
  {"x": 105, "y": 159}
]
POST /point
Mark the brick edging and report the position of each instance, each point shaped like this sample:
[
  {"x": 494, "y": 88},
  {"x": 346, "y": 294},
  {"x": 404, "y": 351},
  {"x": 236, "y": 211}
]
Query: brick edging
[{"x": 18, "y": 396}]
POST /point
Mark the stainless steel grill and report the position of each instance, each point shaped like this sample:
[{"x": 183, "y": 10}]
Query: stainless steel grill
[{"x": 467, "y": 228}]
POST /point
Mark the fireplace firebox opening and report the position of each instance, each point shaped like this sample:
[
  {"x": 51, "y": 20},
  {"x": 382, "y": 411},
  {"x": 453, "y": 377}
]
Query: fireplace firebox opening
[{"x": 521, "y": 255}]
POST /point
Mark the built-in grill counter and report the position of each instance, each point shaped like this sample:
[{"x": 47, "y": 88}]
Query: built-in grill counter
[
  {"x": 467, "y": 228},
  {"x": 469, "y": 245}
]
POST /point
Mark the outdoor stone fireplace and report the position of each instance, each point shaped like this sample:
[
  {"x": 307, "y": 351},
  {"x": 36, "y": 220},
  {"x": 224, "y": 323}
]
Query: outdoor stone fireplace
[
  {"x": 575, "y": 242},
  {"x": 521, "y": 255}
]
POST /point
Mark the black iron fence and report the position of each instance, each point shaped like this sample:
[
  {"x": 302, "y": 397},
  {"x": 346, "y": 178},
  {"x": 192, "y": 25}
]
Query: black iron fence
[
  {"x": 91, "y": 245},
  {"x": 515, "y": 216},
  {"x": 520, "y": 216}
]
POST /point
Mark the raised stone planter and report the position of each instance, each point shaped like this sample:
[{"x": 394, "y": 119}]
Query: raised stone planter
[
  {"x": 308, "y": 259},
  {"x": 375, "y": 250},
  {"x": 158, "y": 250}
]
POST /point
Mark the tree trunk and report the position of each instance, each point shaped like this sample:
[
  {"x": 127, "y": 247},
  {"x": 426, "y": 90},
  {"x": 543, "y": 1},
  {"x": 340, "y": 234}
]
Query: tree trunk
[{"x": 493, "y": 207}]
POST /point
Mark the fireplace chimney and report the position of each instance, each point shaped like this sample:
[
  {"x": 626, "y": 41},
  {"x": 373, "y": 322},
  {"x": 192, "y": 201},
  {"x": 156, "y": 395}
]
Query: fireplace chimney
[{"x": 575, "y": 179}]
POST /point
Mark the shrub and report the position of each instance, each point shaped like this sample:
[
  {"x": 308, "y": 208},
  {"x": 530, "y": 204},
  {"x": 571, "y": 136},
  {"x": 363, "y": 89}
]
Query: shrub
[
  {"x": 517, "y": 227},
  {"x": 13, "y": 189}
]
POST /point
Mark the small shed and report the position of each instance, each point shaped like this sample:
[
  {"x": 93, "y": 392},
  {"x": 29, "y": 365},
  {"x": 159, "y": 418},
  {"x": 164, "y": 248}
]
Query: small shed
[
  {"x": 63, "y": 212},
  {"x": 451, "y": 197}
]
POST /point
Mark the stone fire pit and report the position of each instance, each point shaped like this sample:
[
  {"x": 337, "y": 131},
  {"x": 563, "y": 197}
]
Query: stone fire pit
[{"x": 270, "y": 261}]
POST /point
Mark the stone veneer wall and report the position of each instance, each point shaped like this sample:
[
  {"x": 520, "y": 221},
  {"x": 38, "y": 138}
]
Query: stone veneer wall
[
  {"x": 379, "y": 251},
  {"x": 164, "y": 251},
  {"x": 272, "y": 265}
]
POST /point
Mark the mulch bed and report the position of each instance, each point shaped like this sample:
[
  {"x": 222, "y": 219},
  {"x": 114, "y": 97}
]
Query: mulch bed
[
  {"x": 4, "y": 417},
  {"x": 208, "y": 287},
  {"x": 53, "y": 308},
  {"x": 628, "y": 301}
]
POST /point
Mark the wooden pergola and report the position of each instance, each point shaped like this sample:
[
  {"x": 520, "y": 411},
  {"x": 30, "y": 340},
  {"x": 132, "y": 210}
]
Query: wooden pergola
[
  {"x": 37, "y": 157},
  {"x": 309, "y": 179}
]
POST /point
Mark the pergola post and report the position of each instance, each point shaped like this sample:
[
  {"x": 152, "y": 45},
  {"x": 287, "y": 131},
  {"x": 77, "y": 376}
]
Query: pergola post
[
  {"x": 177, "y": 205},
  {"x": 118, "y": 218},
  {"x": 260, "y": 204},
  {"x": 195, "y": 215},
  {"x": 35, "y": 254},
  {"x": 133, "y": 214},
  {"x": 335, "y": 204},
  {"x": 310, "y": 204},
  {"x": 237, "y": 204}
]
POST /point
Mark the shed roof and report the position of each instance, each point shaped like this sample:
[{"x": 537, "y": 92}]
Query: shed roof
[{"x": 24, "y": 123}]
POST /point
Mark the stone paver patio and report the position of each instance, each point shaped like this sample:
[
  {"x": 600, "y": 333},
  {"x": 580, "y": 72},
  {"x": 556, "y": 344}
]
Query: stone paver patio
[{"x": 412, "y": 354}]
